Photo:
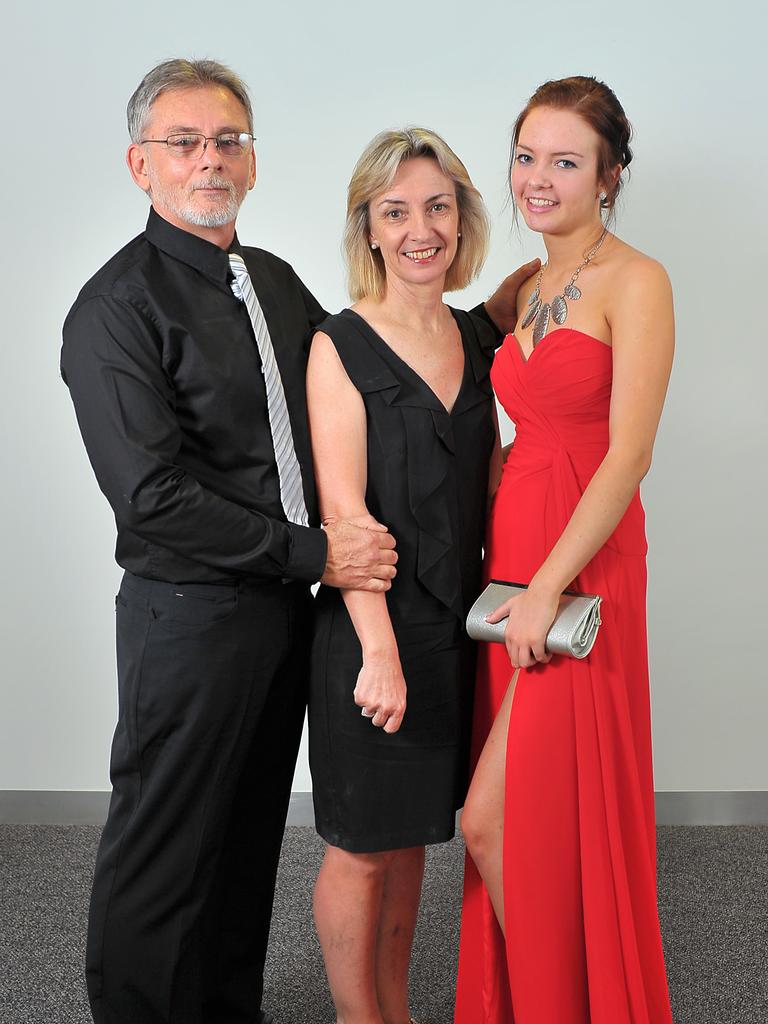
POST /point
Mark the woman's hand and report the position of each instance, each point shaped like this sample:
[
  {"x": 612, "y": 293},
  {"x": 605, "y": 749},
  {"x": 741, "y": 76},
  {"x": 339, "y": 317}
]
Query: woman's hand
[
  {"x": 381, "y": 691},
  {"x": 530, "y": 616}
]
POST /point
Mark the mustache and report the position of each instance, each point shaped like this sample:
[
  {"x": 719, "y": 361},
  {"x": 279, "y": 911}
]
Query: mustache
[{"x": 214, "y": 181}]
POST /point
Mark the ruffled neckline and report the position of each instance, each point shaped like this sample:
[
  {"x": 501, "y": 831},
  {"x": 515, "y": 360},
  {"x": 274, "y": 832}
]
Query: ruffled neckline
[{"x": 430, "y": 442}]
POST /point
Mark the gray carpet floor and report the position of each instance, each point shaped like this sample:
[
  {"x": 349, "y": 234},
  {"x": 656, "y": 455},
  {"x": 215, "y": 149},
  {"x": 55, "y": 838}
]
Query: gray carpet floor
[{"x": 713, "y": 889}]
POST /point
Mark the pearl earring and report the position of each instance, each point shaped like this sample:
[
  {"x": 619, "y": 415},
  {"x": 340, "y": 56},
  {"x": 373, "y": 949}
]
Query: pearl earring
[{"x": 374, "y": 245}]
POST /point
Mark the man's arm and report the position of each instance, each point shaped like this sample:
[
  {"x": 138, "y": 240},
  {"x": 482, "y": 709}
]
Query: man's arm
[
  {"x": 501, "y": 308},
  {"x": 315, "y": 312},
  {"x": 124, "y": 402}
]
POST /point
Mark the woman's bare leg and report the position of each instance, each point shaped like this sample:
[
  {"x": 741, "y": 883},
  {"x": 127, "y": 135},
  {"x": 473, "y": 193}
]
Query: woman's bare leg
[
  {"x": 482, "y": 820},
  {"x": 397, "y": 923},
  {"x": 347, "y": 904}
]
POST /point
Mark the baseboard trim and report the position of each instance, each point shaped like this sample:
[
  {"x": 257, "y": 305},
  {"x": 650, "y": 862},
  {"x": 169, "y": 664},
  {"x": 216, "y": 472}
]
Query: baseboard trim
[
  {"x": 749, "y": 807},
  {"x": 80, "y": 807},
  {"x": 53, "y": 807},
  {"x": 301, "y": 810},
  {"x": 66, "y": 807}
]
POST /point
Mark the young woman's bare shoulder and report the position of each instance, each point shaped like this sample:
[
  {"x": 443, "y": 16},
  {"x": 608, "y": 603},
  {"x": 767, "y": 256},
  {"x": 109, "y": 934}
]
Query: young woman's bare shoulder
[
  {"x": 627, "y": 260},
  {"x": 638, "y": 290},
  {"x": 633, "y": 276}
]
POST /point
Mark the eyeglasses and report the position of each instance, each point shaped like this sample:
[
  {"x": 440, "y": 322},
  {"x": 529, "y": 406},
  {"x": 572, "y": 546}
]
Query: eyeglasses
[{"x": 189, "y": 145}]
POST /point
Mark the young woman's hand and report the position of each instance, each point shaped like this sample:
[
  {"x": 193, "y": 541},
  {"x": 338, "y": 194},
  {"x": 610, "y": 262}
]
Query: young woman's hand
[{"x": 530, "y": 614}]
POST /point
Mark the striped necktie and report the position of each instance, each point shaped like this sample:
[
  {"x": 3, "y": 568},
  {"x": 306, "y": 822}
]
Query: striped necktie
[{"x": 288, "y": 469}]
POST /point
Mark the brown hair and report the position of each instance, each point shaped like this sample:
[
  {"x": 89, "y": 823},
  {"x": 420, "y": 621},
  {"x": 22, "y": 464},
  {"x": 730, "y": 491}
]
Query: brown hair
[
  {"x": 375, "y": 170},
  {"x": 597, "y": 104}
]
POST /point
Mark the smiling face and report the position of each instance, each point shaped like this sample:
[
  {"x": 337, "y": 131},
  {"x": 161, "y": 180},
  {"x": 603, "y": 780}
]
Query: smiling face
[
  {"x": 200, "y": 194},
  {"x": 554, "y": 176},
  {"x": 414, "y": 223}
]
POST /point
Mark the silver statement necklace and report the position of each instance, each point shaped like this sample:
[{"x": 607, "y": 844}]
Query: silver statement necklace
[{"x": 539, "y": 313}]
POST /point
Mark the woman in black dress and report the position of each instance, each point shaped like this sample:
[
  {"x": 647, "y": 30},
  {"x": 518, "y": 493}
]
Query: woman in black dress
[{"x": 403, "y": 429}]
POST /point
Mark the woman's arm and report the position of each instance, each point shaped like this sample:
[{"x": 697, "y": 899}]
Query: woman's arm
[
  {"x": 642, "y": 330},
  {"x": 338, "y": 429}
]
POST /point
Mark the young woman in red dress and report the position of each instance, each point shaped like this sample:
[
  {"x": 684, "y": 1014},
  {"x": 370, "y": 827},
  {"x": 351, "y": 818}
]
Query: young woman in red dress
[{"x": 560, "y": 922}]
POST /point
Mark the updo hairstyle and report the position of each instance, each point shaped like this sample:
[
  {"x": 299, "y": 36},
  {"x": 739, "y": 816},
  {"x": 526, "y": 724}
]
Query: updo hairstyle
[{"x": 597, "y": 104}]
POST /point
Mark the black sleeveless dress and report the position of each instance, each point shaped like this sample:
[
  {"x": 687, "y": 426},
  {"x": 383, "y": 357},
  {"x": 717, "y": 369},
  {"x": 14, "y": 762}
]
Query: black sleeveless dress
[{"x": 428, "y": 482}]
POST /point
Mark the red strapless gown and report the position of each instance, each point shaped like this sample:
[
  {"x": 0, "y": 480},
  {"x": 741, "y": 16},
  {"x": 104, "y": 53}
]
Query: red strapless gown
[{"x": 583, "y": 940}]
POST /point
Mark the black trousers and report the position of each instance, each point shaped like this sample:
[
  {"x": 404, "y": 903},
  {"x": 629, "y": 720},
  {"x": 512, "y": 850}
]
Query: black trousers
[{"x": 212, "y": 691}]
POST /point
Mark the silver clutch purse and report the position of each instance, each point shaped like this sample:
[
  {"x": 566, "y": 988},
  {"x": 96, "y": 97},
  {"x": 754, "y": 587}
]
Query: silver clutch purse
[{"x": 572, "y": 633}]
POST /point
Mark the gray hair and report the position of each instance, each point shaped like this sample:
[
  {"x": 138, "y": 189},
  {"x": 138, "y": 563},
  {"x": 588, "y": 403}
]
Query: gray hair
[{"x": 182, "y": 74}]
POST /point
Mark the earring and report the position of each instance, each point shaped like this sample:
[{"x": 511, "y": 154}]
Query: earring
[
  {"x": 458, "y": 234},
  {"x": 374, "y": 245},
  {"x": 603, "y": 196}
]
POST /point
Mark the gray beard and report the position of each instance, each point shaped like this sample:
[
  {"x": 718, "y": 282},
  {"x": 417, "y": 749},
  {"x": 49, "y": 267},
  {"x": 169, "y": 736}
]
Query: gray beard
[{"x": 215, "y": 218}]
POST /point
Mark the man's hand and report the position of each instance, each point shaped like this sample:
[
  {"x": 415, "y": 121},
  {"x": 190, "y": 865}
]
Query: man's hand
[
  {"x": 361, "y": 555},
  {"x": 502, "y": 305}
]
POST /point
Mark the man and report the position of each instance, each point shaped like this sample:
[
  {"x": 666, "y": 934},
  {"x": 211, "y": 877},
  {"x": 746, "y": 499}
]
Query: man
[{"x": 185, "y": 357}]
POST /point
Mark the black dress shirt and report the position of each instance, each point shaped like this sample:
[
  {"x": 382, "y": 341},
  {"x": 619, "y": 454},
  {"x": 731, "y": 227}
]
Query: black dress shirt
[{"x": 166, "y": 380}]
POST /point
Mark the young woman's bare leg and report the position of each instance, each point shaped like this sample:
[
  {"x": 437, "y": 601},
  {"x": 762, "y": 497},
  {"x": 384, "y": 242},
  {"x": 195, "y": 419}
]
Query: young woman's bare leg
[{"x": 482, "y": 820}]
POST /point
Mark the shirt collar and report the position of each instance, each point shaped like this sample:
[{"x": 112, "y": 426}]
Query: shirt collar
[{"x": 196, "y": 252}]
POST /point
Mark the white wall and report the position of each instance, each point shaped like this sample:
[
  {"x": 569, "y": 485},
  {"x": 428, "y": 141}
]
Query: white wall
[{"x": 325, "y": 78}]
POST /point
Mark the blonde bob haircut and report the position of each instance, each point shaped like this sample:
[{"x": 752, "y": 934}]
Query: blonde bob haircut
[{"x": 374, "y": 172}]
